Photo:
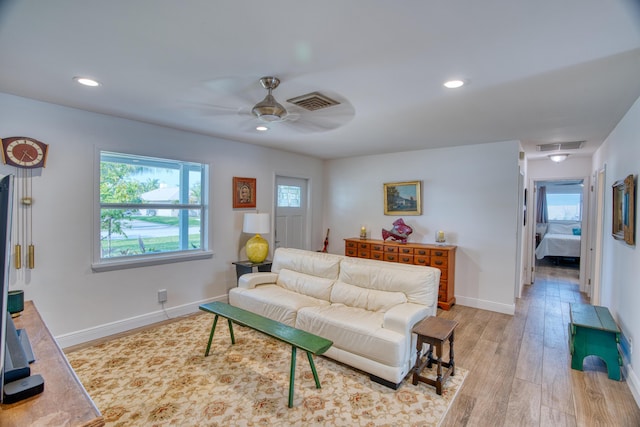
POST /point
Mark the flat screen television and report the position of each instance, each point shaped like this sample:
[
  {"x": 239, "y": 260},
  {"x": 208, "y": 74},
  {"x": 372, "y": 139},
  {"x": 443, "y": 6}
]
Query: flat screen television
[
  {"x": 6, "y": 211},
  {"x": 16, "y": 381}
]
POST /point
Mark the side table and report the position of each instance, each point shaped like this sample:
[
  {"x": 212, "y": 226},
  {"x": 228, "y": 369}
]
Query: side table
[
  {"x": 246, "y": 266},
  {"x": 434, "y": 331}
]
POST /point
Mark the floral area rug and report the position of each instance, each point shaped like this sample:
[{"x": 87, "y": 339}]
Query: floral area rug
[{"x": 160, "y": 377}]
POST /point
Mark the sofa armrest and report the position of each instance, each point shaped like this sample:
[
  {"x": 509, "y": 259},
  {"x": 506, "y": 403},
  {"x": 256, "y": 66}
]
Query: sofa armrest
[
  {"x": 251, "y": 280},
  {"x": 403, "y": 317}
]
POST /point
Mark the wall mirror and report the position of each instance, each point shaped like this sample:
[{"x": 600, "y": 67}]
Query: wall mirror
[{"x": 623, "y": 224}]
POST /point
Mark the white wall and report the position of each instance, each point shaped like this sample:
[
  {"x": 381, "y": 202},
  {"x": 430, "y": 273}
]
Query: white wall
[
  {"x": 78, "y": 304},
  {"x": 469, "y": 192},
  {"x": 620, "y": 155},
  {"x": 573, "y": 167}
]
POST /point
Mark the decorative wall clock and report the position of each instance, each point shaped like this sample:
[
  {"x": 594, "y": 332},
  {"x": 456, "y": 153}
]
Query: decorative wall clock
[{"x": 26, "y": 154}]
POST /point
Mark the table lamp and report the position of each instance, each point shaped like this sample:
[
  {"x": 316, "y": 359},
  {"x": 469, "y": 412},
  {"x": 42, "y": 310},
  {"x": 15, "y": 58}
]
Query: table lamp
[{"x": 257, "y": 247}]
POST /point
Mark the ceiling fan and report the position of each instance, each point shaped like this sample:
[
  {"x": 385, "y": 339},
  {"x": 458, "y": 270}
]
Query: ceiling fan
[
  {"x": 269, "y": 110},
  {"x": 305, "y": 113}
]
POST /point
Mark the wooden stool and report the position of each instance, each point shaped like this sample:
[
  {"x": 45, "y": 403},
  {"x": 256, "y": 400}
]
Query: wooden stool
[{"x": 434, "y": 331}]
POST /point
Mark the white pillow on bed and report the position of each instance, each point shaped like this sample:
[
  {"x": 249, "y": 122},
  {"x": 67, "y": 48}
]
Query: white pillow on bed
[{"x": 562, "y": 228}]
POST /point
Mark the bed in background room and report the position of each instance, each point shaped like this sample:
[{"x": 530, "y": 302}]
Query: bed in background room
[{"x": 562, "y": 239}]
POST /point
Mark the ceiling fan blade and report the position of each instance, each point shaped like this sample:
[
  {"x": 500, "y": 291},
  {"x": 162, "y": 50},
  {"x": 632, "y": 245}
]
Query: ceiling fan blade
[{"x": 321, "y": 120}]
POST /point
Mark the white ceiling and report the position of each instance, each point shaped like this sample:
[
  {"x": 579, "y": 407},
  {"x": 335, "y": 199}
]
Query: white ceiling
[{"x": 538, "y": 71}]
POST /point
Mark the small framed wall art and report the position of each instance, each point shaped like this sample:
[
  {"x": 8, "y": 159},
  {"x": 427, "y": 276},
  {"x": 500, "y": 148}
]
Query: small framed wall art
[
  {"x": 623, "y": 224},
  {"x": 402, "y": 198},
  {"x": 244, "y": 192}
]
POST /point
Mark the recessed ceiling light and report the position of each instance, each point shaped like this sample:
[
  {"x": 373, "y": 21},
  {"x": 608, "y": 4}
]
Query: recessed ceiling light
[
  {"x": 262, "y": 128},
  {"x": 453, "y": 84},
  {"x": 87, "y": 81}
]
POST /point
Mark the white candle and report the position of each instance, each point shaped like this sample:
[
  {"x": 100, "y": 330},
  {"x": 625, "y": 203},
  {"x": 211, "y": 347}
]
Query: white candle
[{"x": 440, "y": 236}]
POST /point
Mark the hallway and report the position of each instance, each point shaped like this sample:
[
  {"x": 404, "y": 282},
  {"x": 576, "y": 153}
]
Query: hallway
[{"x": 520, "y": 372}]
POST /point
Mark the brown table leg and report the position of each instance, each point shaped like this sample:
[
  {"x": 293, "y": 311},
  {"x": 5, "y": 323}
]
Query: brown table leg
[
  {"x": 439, "y": 370},
  {"x": 452, "y": 364}
]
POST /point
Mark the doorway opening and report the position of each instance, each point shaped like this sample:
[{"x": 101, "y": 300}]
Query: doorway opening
[{"x": 558, "y": 226}]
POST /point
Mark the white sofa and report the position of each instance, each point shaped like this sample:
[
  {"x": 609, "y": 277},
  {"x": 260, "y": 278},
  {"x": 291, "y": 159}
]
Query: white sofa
[{"x": 366, "y": 307}]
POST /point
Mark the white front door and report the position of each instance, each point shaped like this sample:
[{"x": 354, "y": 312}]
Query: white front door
[{"x": 291, "y": 212}]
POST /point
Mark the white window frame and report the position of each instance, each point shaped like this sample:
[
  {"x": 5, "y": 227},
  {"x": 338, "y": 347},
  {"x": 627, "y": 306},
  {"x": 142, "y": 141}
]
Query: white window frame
[{"x": 116, "y": 263}]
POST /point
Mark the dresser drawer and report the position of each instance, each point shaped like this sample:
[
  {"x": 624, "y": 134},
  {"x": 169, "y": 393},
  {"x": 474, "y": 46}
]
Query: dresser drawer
[
  {"x": 364, "y": 246},
  {"x": 405, "y": 259},
  {"x": 405, "y": 251},
  {"x": 442, "y": 294},
  {"x": 440, "y": 253},
  {"x": 421, "y": 252},
  {"x": 351, "y": 252},
  {"x": 391, "y": 249},
  {"x": 377, "y": 247},
  {"x": 421, "y": 260},
  {"x": 391, "y": 256},
  {"x": 439, "y": 262},
  {"x": 351, "y": 244},
  {"x": 364, "y": 253},
  {"x": 377, "y": 255}
]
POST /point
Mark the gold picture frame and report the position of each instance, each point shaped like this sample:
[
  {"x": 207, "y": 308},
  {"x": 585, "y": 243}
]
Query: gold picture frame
[
  {"x": 244, "y": 192},
  {"x": 623, "y": 219},
  {"x": 402, "y": 198}
]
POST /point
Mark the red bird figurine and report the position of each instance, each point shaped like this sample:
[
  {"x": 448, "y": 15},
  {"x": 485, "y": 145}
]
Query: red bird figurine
[{"x": 400, "y": 231}]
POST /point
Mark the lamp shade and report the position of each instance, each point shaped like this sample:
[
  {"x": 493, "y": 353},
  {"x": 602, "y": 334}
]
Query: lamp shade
[{"x": 256, "y": 223}]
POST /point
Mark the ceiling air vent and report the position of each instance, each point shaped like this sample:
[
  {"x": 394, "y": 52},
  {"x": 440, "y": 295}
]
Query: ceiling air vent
[
  {"x": 557, "y": 146},
  {"x": 313, "y": 101}
]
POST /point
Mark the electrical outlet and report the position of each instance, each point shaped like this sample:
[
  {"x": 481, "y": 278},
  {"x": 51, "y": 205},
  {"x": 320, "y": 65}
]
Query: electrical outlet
[{"x": 162, "y": 295}]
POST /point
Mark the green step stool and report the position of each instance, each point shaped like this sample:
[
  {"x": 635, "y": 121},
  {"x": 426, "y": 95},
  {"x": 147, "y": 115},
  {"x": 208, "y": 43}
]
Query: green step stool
[{"x": 593, "y": 332}]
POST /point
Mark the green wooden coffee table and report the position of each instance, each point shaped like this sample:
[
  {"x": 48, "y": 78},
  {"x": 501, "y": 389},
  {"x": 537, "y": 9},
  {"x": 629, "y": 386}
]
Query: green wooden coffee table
[
  {"x": 297, "y": 338},
  {"x": 593, "y": 332}
]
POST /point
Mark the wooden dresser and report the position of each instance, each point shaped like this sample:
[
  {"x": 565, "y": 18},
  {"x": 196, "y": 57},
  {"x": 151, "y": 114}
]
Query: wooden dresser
[
  {"x": 64, "y": 401},
  {"x": 441, "y": 257}
]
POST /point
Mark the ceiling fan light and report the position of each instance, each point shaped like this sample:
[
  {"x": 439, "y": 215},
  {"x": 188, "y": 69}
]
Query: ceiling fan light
[
  {"x": 269, "y": 118},
  {"x": 558, "y": 157}
]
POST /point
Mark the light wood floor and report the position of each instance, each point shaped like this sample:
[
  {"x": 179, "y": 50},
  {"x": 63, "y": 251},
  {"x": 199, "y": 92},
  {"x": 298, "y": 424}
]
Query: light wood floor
[{"x": 519, "y": 366}]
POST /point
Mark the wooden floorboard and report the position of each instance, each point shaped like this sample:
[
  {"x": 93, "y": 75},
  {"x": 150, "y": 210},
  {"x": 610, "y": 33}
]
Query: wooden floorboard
[{"x": 520, "y": 367}]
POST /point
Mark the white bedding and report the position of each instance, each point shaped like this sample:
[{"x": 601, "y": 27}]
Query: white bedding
[{"x": 558, "y": 245}]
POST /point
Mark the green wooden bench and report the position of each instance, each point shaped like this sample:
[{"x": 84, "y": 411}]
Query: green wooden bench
[
  {"x": 593, "y": 332},
  {"x": 297, "y": 338}
]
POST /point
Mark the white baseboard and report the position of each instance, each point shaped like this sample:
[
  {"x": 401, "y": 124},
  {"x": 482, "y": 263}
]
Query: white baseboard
[
  {"x": 101, "y": 331},
  {"x": 486, "y": 305},
  {"x": 634, "y": 384}
]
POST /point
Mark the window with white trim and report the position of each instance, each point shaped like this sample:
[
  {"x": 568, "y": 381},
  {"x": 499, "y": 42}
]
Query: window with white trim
[{"x": 151, "y": 209}]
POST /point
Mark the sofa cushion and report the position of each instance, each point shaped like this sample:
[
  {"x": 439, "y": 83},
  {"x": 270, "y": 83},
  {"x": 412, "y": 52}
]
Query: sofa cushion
[
  {"x": 317, "y": 287},
  {"x": 273, "y": 301},
  {"x": 356, "y": 330},
  {"x": 313, "y": 263},
  {"x": 418, "y": 283},
  {"x": 368, "y": 299}
]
